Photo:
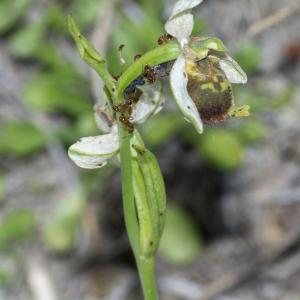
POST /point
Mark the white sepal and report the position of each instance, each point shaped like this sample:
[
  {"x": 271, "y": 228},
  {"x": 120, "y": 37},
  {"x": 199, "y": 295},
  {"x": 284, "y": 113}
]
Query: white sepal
[
  {"x": 181, "y": 22},
  {"x": 94, "y": 151},
  {"x": 103, "y": 118},
  {"x": 183, "y": 5},
  {"x": 178, "y": 82},
  {"x": 150, "y": 102},
  {"x": 232, "y": 70}
]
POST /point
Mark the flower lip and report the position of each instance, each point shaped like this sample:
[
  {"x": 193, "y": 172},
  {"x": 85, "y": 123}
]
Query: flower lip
[{"x": 210, "y": 90}]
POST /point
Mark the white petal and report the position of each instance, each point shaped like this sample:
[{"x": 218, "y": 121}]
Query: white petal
[
  {"x": 103, "y": 118},
  {"x": 178, "y": 81},
  {"x": 150, "y": 102},
  {"x": 181, "y": 22},
  {"x": 232, "y": 70},
  {"x": 94, "y": 151}
]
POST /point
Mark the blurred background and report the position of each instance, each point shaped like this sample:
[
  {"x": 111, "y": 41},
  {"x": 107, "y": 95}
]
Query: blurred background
[{"x": 233, "y": 222}]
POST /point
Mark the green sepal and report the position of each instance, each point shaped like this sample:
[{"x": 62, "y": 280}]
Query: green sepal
[
  {"x": 147, "y": 245},
  {"x": 155, "y": 189},
  {"x": 201, "y": 46},
  {"x": 91, "y": 56}
]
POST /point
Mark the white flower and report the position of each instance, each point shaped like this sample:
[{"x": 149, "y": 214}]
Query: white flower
[
  {"x": 150, "y": 102},
  {"x": 180, "y": 25},
  {"x": 93, "y": 152}
]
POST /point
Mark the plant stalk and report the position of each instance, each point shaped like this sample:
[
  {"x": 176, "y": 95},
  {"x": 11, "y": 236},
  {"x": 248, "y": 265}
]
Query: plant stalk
[
  {"x": 147, "y": 276},
  {"x": 115, "y": 90},
  {"x": 145, "y": 264}
]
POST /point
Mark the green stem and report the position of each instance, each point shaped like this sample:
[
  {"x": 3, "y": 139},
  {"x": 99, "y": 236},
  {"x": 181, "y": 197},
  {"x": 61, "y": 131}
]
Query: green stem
[
  {"x": 147, "y": 277},
  {"x": 96, "y": 61},
  {"x": 131, "y": 221},
  {"x": 145, "y": 265}
]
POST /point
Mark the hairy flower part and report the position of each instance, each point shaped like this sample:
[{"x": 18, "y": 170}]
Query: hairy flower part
[
  {"x": 200, "y": 80},
  {"x": 210, "y": 90},
  {"x": 201, "y": 76}
]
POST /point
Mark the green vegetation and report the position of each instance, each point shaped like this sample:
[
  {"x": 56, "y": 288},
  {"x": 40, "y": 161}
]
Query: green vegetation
[
  {"x": 181, "y": 243},
  {"x": 16, "y": 228}
]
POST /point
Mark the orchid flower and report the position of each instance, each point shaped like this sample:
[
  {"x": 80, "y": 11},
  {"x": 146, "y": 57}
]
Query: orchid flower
[
  {"x": 200, "y": 80},
  {"x": 93, "y": 152},
  {"x": 201, "y": 75}
]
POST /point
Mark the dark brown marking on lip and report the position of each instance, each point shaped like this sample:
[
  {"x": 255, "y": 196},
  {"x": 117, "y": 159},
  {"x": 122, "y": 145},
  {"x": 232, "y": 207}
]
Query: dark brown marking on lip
[{"x": 211, "y": 91}]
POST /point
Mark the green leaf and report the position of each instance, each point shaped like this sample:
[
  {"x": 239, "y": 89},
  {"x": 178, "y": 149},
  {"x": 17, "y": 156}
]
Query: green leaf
[
  {"x": 180, "y": 243},
  {"x": 10, "y": 13},
  {"x": 16, "y": 227},
  {"x": 28, "y": 42},
  {"x": 56, "y": 19},
  {"x": 85, "y": 12},
  {"x": 155, "y": 192},
  {"x": 162, "y": 127},
  {"x": 221, "y": 148},
  {"x": 60, "y": 232},
  {"x": 132, "y": 47},
  {"x": 249, "y": 57},
  {"x": 5, "y": 277},
  {"x": 57, "y": 91},
  {"x": 21, "y": 138},
  {"x": 199, "y": 27},
  {"x": 251, "y": 132}
]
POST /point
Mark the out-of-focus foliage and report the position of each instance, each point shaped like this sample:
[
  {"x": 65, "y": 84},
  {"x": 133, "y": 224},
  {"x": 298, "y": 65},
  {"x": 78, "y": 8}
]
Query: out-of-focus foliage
[
  {"x": 85, "y": 12},
  {"x": 15, "y": 228},
  {"x": 2, "y": 186},
  {"x": 161, "y": 128},
  {"x": 21, "y": 138},
  {"x": 221, "y": 148},
  {"x": 4, "y": 277},
  {"x": 10, "y": 13},
  {"x": 28, "y": 42},
  {"x": 58, "y": 91},
  {"x": 180, "y": 243},
  {"x": 249, "y": 57},
  {"x": 130, "y": 30},
  {"x": 61, "y": 231},
  {"x": 251, "y": 131}
]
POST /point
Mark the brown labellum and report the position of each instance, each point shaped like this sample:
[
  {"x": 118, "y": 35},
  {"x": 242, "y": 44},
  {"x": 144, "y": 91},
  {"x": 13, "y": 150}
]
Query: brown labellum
[{"x": 210, "y": 90}]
